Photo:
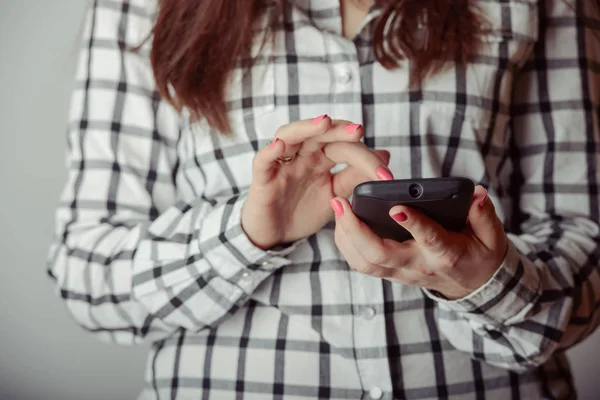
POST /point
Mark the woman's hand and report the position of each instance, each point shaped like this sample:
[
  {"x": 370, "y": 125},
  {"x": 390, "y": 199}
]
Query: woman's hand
[
  {"x": 453, "y": 264},
  {"x": 292, "y": 181}
]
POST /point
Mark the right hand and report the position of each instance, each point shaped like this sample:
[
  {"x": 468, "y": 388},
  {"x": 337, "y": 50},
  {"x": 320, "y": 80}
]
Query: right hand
[{"x": 287, "y": 202}]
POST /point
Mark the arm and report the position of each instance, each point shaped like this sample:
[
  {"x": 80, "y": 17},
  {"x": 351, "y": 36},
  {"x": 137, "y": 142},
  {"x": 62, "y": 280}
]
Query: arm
[
  {"x": 129, "y": 262},
  {"x": 546, "y": 295}
]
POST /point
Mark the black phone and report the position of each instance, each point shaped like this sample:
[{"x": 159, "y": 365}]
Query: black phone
[{"x": 445, "y": 200}]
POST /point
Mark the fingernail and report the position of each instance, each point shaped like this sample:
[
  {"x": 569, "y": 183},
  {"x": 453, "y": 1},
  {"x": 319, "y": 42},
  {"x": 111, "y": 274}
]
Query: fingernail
[
  {"x": 400, "y": 217},
  {"x": 337, "y": 207},
  {"x": 318, "y": 120},
  {"x": 351, "y": 128},
  {"x": 274, "y": 143},
  {"x": 483, "y": 200},
  {"x": 384, "y": 174}
]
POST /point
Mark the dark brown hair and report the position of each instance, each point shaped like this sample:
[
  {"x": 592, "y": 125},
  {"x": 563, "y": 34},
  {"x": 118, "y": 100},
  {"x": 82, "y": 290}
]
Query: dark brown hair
[{"x": 196, "y": 44}]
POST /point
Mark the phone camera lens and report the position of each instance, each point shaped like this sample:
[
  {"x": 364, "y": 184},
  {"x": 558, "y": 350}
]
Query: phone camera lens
[{"x": 415, "y": 190}]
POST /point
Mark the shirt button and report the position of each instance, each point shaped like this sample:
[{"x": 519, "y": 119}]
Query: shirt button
[
  {"x": 246, "y": 277},
  {"x": 368, "y": 313},
  {"x": 268, "y": 265},
  {"x": 344, "y": 76},
  {"x": 376, "y": 393}
]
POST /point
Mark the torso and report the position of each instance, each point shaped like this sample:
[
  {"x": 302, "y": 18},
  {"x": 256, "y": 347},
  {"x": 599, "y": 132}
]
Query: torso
[{"x": 318, "y": 309}]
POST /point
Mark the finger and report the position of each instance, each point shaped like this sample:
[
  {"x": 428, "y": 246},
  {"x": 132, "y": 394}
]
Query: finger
[
  {"x": 359, "y": 156},
  {"x": 299, "y": 131},
  {"x": 483, "y": 219},
  {"x": 295, "y": 133},
  {"x": 339, "y": 131},
  {"x": 383, "y": 155},
  {"x": 312, "y": 134},
  {"x": 264, "y": 164},
  {"x": 356, "y": 260},
  {"x": 426, "y": 232},
  {"x": 345, "y": 181},
  {"x": 376, "y": 250},
  {"x": 323, "y": 129}
]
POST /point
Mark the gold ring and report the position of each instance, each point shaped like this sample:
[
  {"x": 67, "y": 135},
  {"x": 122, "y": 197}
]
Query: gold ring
[{"x": 285, "y": 160}]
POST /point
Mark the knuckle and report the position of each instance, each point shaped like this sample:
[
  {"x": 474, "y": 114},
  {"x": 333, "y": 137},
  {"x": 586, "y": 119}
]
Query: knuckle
[
  {"x": 431, "y": 239},
  {"x": 342, "y": 228},
  {"x": 410, "y": 280},
  {"x": 379, "y": 257},
  {"x": 362, "y": 268},
  {"x": 422, "y": 269},
  {"x": 281, "y": 130},
  {"x": 448, "y": 259},
  {"x": 339, "y": 236},
  {"x": 427, "y": 272},
  {"x": 255, "y": 161},
  {"x": 375, "y": 271}
]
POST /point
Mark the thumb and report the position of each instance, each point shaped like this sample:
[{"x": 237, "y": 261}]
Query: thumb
[
  {"x": 346, "y": 180},
  {"x": 483, "y": 220}
]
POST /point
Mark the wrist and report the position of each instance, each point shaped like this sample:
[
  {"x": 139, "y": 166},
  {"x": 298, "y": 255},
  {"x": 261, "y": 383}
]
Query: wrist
[
  {"x": 260, "y": 244},
  {"x": 258, "y": 233},
  {"x": 477, "y": 281}
]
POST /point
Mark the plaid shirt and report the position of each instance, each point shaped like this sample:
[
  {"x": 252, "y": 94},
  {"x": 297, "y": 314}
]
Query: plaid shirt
[{"x": 149, "y": 245}]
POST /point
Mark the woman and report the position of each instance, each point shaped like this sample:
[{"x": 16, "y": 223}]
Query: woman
[{"x": 242, "y": 262}]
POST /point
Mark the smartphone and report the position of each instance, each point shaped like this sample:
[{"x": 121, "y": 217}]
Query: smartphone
[{"x": 445, "y": 200}]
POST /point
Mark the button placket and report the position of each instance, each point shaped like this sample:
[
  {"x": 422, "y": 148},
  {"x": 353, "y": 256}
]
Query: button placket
[
  {"x": 346, "y": 81},
  {"x": 369, "y": 333}
]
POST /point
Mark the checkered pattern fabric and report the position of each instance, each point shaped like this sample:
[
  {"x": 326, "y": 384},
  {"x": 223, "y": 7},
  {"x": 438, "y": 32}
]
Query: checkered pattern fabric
[{"x": 149, "y": 245}]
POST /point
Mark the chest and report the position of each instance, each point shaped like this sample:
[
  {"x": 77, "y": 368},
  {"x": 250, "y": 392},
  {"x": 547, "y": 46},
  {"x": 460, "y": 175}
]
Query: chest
[{"x": 454, "y": 124}]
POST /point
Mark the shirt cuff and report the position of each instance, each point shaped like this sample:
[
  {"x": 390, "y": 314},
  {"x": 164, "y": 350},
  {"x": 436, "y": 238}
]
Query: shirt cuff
[
  {"x": 225, "y": 245},
  {"x": 505, "y": 298}
]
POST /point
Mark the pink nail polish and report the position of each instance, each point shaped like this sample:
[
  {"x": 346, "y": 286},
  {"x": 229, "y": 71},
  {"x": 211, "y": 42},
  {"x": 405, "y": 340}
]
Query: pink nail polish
[
  {"x": 484, "y": 200},
  {"x": 274, "y": 143},
  {"x": 351, "y": 128},
  {"x": 337, "y": 207},
  {"x": 384, "y": 174},
  {"x": 318, "y": 120},
  {"x": 400, "y": 217}
]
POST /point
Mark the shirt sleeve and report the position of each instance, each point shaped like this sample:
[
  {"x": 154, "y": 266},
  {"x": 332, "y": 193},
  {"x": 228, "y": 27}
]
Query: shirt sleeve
[
  {"x": 131, "y": 262},
  {"x": 545, "y": 296}
]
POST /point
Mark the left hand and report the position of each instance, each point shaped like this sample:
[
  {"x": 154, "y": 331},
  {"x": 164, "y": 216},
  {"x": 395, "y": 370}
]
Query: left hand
[{"x": 454, "y": 264}]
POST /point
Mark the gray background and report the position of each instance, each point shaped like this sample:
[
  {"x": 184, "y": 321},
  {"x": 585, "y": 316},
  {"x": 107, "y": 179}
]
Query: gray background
[{"x": 43, "y": 354}]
